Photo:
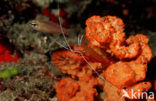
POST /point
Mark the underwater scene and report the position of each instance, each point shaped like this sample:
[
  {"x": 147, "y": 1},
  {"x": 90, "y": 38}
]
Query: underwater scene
[{"x": 77, "y": 50}]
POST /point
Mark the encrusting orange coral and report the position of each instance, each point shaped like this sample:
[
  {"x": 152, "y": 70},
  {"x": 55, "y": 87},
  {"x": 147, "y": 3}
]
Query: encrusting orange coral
[
  {"x": 82, "y": 90},
  {"x": 73, "y": 64},
  {"x": 66, "y": 89},
  {"x": 68, "y": 62},
  {"x": 100, "y": 30},
  {"x": 108, "y": 32},
  {"x": 120, "y": 74},
  {"x": 137, "y": 90},
  {"x": 112, "y": 92},
  {"x": 119, "y": 63}
]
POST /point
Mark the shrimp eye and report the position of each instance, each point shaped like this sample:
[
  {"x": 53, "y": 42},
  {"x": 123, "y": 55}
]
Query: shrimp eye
[{"x": 34, "y": 24}]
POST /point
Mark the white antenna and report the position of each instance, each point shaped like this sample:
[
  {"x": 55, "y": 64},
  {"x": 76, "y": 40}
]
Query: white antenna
[{"x": 69, "y": 48}]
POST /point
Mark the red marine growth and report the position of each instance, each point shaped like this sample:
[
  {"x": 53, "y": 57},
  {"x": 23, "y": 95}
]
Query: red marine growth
[{"x": 5, "y": 55}]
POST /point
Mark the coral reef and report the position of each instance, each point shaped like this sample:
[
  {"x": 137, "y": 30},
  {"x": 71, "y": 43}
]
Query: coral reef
[
  {"x": 25, "y": 38},
  {"x": 26, "y": 77},
  {"x": 118, "y": 63},
  {"x": 95, "y": 63},
  {"x": 34, "y": 81}
]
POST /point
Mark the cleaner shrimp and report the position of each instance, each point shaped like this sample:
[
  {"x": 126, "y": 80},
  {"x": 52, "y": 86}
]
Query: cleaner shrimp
[{"x": 53, "y": 28}]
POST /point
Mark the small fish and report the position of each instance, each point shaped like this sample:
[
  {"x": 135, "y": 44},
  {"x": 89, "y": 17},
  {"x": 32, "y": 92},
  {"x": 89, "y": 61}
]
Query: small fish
[{"x": 48, "y": 27}]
